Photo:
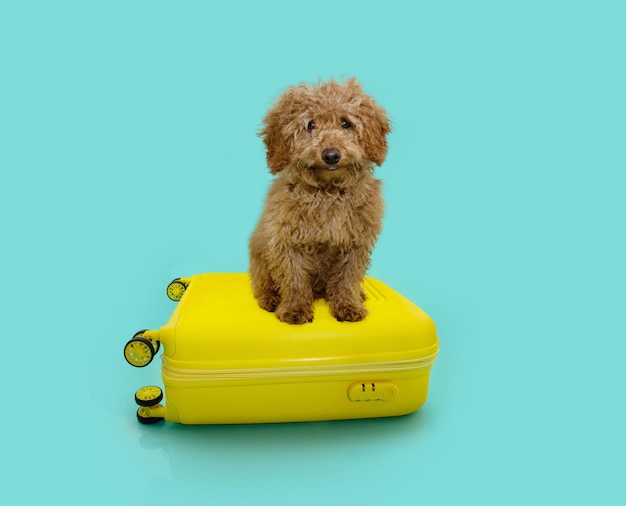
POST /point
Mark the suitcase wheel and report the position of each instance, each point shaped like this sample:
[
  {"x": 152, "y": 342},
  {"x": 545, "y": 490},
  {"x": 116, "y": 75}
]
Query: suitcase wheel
[
  {"x": 146, "y": 416},
  {"x": 139, "y": 352},
  {"x": 148, "y": 396},
  {"x": 176, "y": 289},
  {"x": 155, "y": 344}
]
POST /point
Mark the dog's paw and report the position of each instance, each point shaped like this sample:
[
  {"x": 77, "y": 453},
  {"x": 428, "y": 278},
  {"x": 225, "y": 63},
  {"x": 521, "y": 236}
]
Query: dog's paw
[
  {"x": 349, "y": 312},
  {"x": 269, "y": 302},
  {"x": 294, "y": 315}
]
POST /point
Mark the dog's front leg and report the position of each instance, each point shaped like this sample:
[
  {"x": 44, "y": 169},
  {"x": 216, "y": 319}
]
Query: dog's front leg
[
  {"x": 296, "y": 292},
  {"x": 343, "y": 290}
]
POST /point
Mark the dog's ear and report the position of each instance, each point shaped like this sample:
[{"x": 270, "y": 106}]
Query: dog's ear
[
  {"x": 278, "y": 145},
  {"x": 376, "y": 126}
]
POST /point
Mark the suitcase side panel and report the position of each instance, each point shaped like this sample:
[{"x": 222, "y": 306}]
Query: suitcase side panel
[{"x": 299, "y": 399}]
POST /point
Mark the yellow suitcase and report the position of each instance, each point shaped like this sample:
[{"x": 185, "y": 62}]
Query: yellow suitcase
[{"x": 227, "y": 361}]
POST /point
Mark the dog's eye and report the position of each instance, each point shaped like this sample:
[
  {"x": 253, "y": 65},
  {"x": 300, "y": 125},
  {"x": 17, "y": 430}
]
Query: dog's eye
[
  {"x": 345, "y": 123},
  {"x": 310, "y": 126}
]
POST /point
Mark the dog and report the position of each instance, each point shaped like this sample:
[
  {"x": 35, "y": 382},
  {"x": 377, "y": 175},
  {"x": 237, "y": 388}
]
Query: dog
[{"x": 323, "y": 211}]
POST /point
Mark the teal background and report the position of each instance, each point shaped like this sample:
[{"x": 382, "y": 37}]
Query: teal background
[{"x": 129, "y": 156}]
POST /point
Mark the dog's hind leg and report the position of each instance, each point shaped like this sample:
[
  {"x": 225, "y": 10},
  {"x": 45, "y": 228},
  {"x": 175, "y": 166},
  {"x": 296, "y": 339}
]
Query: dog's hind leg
[
  {"x": 266, "y": 295},
  {"x": 263, "y": 287}
]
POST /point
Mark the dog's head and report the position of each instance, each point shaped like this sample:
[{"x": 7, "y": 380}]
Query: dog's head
[{"x": 325, "y": 132}]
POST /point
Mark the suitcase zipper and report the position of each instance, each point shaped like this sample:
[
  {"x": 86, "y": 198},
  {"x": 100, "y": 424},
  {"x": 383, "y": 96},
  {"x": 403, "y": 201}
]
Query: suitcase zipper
[{"x": 370, "y": 369}]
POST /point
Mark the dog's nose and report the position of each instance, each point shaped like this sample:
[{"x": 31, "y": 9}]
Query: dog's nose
[{"x": 331, "y": 156}]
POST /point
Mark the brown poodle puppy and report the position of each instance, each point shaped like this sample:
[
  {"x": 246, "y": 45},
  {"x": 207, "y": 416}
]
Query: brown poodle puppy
[{"x": 324, "y": 209}]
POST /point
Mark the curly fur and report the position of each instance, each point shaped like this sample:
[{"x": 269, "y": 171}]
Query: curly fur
[{"x": 322, "y": 214}]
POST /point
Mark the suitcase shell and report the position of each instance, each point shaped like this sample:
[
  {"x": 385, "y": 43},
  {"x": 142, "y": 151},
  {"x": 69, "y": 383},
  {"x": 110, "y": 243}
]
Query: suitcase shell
[{"x": 227, "y": 361}]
